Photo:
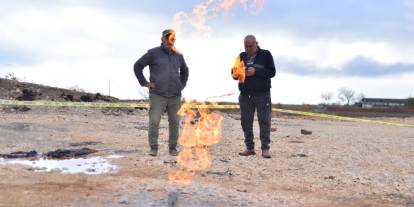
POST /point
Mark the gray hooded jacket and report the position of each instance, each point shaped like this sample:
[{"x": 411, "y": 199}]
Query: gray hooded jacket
[{"x": 168, "y": 71}]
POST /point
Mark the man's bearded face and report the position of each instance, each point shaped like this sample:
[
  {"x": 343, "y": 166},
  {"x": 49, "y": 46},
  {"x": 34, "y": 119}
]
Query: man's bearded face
[{"x": 169, "y": 40}]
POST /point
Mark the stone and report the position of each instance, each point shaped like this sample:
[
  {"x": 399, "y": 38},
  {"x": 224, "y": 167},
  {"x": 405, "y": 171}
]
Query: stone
[{"x": 305, "y": 132}]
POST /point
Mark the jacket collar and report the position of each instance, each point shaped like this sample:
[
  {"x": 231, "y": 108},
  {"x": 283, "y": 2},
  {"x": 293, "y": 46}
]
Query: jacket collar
[
  {"x": 259, "y": 51},
  {"x": 166, "y": 50}
]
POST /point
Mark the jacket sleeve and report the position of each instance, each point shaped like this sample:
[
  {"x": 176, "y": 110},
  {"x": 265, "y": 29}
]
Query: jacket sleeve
[
  {"x": 139, "y": 67},
  {"x": 183, "y": 73},
  {"x": 269, "y": 70}
]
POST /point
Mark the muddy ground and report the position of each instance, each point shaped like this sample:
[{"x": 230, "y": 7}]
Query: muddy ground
[{"x": 340, "y": 164}]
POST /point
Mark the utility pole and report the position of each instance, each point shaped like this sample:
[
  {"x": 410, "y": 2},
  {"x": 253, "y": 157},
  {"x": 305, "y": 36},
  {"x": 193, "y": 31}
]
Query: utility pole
[{"x": 109, "y": 88}]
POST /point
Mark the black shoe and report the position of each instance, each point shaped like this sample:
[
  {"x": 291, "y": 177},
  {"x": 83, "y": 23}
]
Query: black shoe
[
  {"x": 247, "y": 152},
  {"x": 173, "y": 152},
  {"x": 153, "y": 152}
]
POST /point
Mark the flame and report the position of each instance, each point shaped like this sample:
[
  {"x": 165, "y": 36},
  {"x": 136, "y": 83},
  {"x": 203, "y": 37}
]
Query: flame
[
  {"x": 244, "y": 4},
  {"x": 197, "y": 18},
  {"x": 201, "y": 129},
  {"x": 171, "y": 39},
  {"x": 239, "y": 70},
  {"x": 258, "y": 5},
  {"x": 200, "y": 13},
  {"x": 227, "y": 6}
]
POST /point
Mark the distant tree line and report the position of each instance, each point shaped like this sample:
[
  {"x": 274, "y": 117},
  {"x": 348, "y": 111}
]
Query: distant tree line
[
  {"x": 409, "y": 102},
  {"x": 348, "y": 97},
  {"x": 11, "y": 76},
  {"x": 345, "y": 96}
]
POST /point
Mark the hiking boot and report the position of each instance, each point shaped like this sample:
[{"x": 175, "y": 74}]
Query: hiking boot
[
  {"x": 247, "y": 152},
  {"x": 266, "y": 154},
  {"x": 173, "y": 152},
  {"x": 153, "y": 152}
]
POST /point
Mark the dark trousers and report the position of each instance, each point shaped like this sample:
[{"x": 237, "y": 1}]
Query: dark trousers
[{"x": 248, "y": 105}]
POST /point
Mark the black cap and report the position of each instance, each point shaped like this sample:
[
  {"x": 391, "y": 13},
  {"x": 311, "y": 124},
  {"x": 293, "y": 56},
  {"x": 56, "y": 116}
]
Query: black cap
[{"x": 167, "y": 32}]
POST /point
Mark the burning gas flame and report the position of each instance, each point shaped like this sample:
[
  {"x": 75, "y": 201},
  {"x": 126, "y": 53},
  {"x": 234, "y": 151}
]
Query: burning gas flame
[
  {"x": 239, "y": 70},
  {"x": 211, "y": 8},
  {"x": 227, "y": 6},
  {"x": 201, "y": 130},
  {"x": 171, "y": 40},
  {"x": 258, "y": 5}
]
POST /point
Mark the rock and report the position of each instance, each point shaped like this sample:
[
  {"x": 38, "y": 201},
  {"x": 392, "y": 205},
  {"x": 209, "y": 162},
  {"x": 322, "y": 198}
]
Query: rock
[
  {"x": 117, "y": 111},
  {"x": 273, "y": 129},
  {"x": 172, "y": 163},
  {"x": 78, "y": 144},
  {"x": 68, "y": 97},
  {"x": 96, "y": 97},
  {"x": 127, "y": 151},
  {"x": 112, "y": 112},
  {"x": 99, "y": 96},
  {"x": 28, "y": 95},
  {"x": 329, "y": 177},
  {"x": 16, "y": 109},
  {"x": 173, "y": 199},
  {"x": 19, "y": 154},
  {"x": 228, "y": 173},
  {"x": 196, "y": 118},
  {"x": 22, "y": 108},
  {"x": 296, "y": 142},
  {"x": 19, "y": 127},
  {"x": 70, "y": 153},
  {"x": 299, "y": 155},
  {"x": 86, "y": 98},
  {"x": 91, "y": 170},
  {"x": 123, "y": 200},
  {"x": 305, "y": 132},
  {"x": 243, "y": 190}
]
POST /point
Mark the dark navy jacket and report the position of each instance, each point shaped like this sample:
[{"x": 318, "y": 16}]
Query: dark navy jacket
[{"x": 260, "y": 82}]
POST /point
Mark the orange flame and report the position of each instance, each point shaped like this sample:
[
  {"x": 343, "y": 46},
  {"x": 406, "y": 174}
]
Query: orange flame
[
  {"x": 239, "y": 70},
  {"x": 201, "y": 129},
  {"x": 258, "y": 5},
  {"x": 210, "y": 8},
  {"x": 171, "y": 39},
  {"x": 227, "y": 6}
]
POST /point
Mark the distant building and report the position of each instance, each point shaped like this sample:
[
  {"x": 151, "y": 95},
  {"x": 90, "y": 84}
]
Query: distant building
[{"x": 382, "y": 103}]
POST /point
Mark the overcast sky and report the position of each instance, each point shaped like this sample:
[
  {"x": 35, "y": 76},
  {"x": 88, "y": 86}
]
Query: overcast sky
[{"x": 318, "y": 45}]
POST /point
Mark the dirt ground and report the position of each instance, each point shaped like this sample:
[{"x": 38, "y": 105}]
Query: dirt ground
[{"x": 341, "y": 164}]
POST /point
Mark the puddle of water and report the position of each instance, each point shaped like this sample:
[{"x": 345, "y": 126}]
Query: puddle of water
[{"x": 89, "y": 166}]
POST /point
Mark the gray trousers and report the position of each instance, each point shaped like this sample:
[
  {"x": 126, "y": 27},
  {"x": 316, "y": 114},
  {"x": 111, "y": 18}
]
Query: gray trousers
[
  {"x": 158, "y": 104},
  {"x": 248, "y": 105}
]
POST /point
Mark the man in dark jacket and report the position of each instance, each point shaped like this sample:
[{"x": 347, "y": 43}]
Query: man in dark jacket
[
  {"x": 255, "y": 95},
  {"x": 168, "y": 77}
]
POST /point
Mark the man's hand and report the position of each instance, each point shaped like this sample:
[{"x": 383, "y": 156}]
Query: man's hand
[
  {"x": 250, "y": 71},
  {"x": 150, "y": 85}
]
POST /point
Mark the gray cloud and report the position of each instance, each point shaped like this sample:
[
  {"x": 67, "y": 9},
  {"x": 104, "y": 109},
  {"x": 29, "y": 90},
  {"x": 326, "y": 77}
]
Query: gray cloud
[{"x": 358, "y": 67}]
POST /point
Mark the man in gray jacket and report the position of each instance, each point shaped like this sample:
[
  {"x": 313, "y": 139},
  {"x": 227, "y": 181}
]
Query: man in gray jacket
[{"x": 168, "y": 77}]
